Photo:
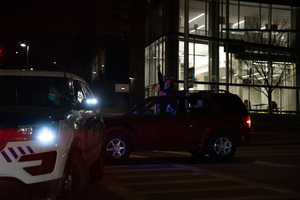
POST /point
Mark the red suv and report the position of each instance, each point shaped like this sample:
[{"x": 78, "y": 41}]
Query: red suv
[{"x": 208, "y": 122}]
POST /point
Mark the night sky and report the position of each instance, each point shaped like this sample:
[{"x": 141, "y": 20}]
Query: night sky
[
  {"x": 56, "y": 31},
  {"x": 36, "y": 17}
]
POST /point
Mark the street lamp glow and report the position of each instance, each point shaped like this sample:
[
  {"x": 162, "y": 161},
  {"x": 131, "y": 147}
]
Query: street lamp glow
[{"x": 27, "y": 53}]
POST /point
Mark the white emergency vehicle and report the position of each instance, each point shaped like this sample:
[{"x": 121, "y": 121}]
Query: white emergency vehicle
[{"x": 51, "y": 135}]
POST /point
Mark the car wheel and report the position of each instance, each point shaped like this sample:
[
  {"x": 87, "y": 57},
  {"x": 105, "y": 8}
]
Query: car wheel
[
  {"x": 221, "y": 147},
  {"x": 97, "y": 170},
  {"x": 76, "y": 180},
  {"x": 198, "y": 153},
  {"x": 118, "y": 148}
]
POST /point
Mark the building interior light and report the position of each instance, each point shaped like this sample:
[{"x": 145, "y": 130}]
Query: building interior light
[
  {"x": 238, "y": 23},
  {"x": 196, "y": 17}
]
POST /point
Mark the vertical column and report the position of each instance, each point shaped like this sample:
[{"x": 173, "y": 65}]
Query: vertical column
[
  {"x": 213, "y": 45},
  {"x": 295, "y": 39},
  {"x": 228, "y": 72},
  {"x": 171, "y": 26}
]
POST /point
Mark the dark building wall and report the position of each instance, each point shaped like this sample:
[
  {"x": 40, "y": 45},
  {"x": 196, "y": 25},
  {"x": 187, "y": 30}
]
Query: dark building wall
[
  {"x": 117, "y": 71},
  {"x": 121, "y": 32},
  {"x": 137, "y": 51}
]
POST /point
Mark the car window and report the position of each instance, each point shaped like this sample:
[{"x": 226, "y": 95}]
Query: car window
[
  {"x": 32, "y": 91},
  {"x": 167, "y": 106},
  {"x": 198, "y": 104},
  {"x": 81, "y": 91},
  {"x": 140, "y": 106},
  {"x": 229, "y": 104}
]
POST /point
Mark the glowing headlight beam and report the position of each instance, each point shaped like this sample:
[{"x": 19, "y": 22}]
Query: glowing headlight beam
[
  {"x": 92, "y": 101},
  {"x": 46, "y": 135}
]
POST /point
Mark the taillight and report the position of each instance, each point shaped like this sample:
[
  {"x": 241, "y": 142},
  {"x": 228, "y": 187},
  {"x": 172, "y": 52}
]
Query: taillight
[{"x": 247, "y": 122}]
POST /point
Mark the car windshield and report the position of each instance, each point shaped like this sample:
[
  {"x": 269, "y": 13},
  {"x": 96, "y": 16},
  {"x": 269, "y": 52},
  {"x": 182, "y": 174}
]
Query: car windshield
[
  {"x": 140, "y": 106},
  {"x": 32, "y": 91}
]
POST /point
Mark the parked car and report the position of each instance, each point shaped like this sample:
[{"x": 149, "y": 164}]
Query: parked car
[
  {"x": 207, "y": 122},
  {"x": 51, "y": 135}
]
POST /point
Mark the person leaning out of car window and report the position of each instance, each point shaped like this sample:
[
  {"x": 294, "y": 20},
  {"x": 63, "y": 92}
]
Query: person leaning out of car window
[{"x": 168, "y": 86}]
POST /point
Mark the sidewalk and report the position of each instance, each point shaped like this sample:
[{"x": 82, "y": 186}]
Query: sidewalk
[
  {"x": 275, "y": 138},
  {"x": 275, "y": 129}
]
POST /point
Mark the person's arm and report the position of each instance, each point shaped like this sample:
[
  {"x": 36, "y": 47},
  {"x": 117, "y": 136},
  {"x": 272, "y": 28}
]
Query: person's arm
[{"x": 160, "y": 77}]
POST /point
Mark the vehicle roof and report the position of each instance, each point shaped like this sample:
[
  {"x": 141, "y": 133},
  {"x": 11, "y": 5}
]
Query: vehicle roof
[{"x": 27, "y": 72}]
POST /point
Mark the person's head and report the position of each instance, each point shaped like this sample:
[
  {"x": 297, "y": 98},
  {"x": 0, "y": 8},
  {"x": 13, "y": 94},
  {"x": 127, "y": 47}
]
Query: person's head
[
  {"x": 168, "y": 83},
  {"x": 54, "y": 95},
  {"x": 199, "y": 104}
]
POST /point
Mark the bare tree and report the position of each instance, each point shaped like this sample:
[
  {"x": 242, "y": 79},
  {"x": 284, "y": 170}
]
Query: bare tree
[{"x": 267, "y": 63}]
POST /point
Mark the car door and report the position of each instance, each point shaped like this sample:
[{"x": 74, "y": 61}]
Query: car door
[
  {"x": 92, "y": 126},
  {"x": 194, "y": 120},
  {"x": 170, "y": 125},
  {"x": 147, "y": 124},
  {"x": 153, "y": 124}
]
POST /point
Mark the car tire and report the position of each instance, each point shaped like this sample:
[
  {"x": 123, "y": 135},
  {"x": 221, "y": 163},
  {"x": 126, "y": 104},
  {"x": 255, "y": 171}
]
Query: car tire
[
  {"x": 221, "y": 147},
  {"x": 198, "y": 153},
  {"x": 97, "y": 170},
  {"x": 118, "y": 148},
  {"x": 76, "y": 180}
]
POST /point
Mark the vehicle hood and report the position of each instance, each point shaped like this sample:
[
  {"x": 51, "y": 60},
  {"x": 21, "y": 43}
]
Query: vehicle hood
[{"x": 11, "y": 116}]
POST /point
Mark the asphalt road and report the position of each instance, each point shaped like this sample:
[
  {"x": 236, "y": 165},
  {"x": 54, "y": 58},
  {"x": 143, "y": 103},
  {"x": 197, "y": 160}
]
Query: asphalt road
[{"x": 256, "y": 172}]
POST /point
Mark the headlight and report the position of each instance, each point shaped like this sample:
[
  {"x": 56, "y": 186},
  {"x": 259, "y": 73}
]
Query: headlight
[
  {"x": 44, "y": 133},
  {"x": 92, "y": 101}
]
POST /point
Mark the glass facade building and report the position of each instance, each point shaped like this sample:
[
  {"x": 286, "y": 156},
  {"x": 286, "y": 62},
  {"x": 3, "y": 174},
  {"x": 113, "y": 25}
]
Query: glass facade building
[{"x": 249, "y": 49}]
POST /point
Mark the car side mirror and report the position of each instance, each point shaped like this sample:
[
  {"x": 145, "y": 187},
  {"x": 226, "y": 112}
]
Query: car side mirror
[{"x": 88, "y": 104}]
